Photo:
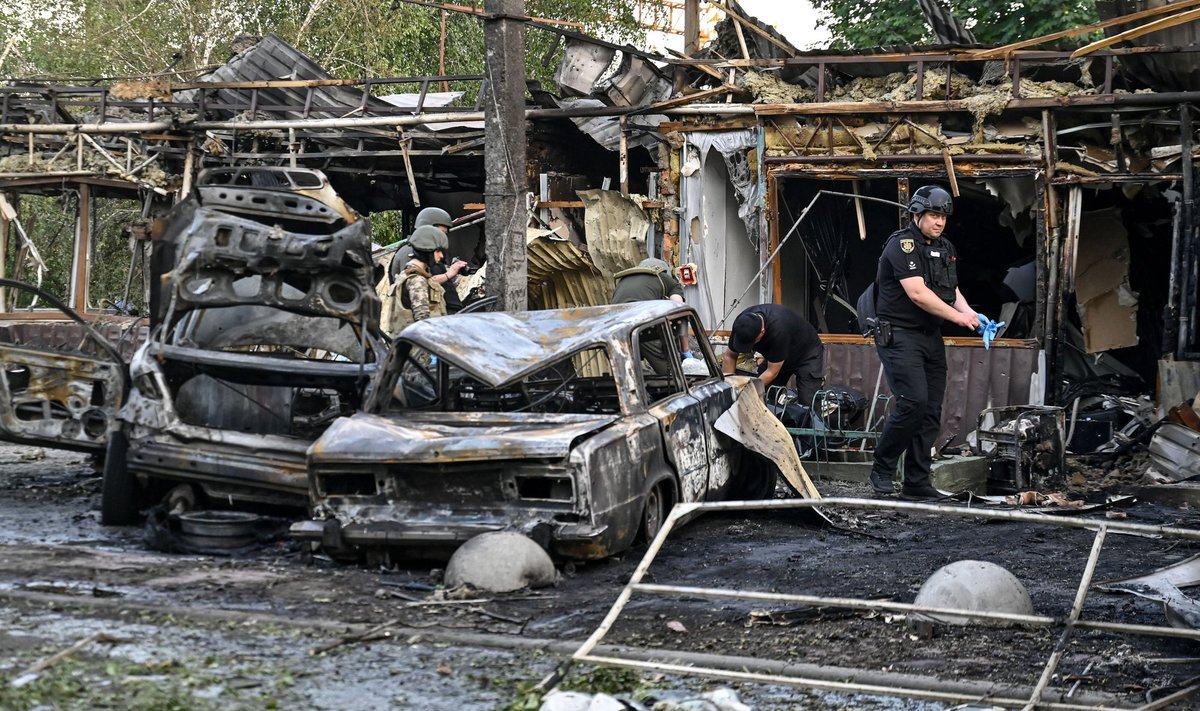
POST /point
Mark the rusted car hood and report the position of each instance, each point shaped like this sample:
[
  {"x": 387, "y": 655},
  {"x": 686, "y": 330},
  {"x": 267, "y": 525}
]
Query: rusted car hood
[{"x": 452, "y": 437}]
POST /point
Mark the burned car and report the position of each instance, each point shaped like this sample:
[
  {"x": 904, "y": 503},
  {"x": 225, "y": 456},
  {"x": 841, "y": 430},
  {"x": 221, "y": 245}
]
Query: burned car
[
  {"x": 264, "y": 330},
  {"x": 578, "y": 427}
]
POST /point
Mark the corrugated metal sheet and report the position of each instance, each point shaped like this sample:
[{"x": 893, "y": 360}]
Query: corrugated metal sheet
[
  {"x": 615, "y": 228},
  {"x": 606, "y": 130},
  {"x": 977, "y": 379},
  {"x": 274, "y": 59},
  {"x": 561, "y": 275}
]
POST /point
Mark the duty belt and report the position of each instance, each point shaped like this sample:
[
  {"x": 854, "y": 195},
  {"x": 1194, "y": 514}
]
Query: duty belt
[{"x": 928, "y": 331}]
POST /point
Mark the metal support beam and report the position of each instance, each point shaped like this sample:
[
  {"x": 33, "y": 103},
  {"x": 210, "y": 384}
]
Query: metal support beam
[
  {"x": 504, "y": 153},
  {"x": 83, "y": 240},
  {"x": 1185, "y": 258}
]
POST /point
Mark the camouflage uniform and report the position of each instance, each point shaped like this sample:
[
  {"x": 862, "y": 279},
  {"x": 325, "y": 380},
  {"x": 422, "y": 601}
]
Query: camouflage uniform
[{"x": 414, "y": 296}]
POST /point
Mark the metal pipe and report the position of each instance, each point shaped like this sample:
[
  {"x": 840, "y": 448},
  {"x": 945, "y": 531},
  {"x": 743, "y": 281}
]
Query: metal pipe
[
  {"x": 942, "y": 509},
  {"x": 1171, "y": 699},
  {"x": 1186, "y": 253},
  {"x": 1076, "y": 609},
  {"x": 842, "y": 686},
  {"x": 917, "y": 158},
  {"x": 1163, "y": 99},
  {"x": 677, "y": 513},
  {"x": 843, "y": 602}
]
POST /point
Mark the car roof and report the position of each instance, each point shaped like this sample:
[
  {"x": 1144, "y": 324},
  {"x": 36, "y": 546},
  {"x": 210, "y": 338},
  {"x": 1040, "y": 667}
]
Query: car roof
[{"x": 500, "y": 347}]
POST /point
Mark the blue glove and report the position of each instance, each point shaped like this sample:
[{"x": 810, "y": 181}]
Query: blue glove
[
  {"x": 687, "y": 355},
  {"x": 988, "y": 329}
]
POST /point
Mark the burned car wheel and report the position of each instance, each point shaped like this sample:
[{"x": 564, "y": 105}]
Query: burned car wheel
[
  {"x": 120, "y": 493},
  {"x": 654, "y": 513},
  {"x": 755, "y": 480}
]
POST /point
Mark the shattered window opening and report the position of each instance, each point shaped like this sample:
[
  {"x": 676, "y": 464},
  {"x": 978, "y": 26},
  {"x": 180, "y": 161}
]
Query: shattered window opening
[
  {"x": 579, "y": 384},
  {"x": 658, "y": 372}
]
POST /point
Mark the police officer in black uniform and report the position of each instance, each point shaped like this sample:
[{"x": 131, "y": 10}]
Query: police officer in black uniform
[{"x": 917, "y": 289}]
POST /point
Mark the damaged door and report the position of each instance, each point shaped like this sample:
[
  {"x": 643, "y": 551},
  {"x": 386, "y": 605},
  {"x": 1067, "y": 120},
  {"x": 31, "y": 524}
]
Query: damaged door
[
  {"x": 680, "y": 417},
  {"x": 715, "y": 396},
  {"x": 64, "y": 400}
]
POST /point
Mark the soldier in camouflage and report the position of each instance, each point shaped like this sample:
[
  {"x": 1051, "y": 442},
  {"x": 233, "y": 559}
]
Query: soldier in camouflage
[{"x": 414, "y": 295}]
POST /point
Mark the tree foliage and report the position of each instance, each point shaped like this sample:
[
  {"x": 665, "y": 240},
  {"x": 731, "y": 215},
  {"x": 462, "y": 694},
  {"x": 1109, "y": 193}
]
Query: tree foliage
[
  {"x": 863, "y": 24},
  {"x": 349, "y": 38}
]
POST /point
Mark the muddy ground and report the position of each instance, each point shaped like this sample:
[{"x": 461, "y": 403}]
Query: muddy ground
[{"x": 200, "y": 632}]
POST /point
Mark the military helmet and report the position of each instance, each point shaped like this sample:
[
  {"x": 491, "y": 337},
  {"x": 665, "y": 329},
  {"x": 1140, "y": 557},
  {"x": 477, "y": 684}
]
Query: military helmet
[
  {"x": 655, "y": 264},
  {"x": 403, "y": 253},
  {"x": 435, "y": 216},
  {"x": 931, "y": 198},
  {"x": 426, "y": 239}
]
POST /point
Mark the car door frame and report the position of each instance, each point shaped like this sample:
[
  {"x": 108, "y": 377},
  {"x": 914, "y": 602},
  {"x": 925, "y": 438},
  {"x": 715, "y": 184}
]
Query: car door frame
[
  {"x": 680, "y": 419},
  {"x": 715, "y": 396},
  {"x": 80, "y": 396}
]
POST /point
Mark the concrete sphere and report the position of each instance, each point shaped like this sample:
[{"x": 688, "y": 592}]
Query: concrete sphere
[
  {"x": 500, "y": 561},
  {"x": 975, "y": 586}
]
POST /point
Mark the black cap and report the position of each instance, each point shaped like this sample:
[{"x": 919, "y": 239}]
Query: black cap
[{"x": 744, "y": 333}]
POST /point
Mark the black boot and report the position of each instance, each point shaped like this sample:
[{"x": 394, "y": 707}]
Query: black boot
[
  {"x": 881, "y": 485},
  {"x": 919, "y": 492}
]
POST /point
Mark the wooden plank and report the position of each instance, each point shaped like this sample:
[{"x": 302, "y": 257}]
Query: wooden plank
[
  {"x": 855, "y": 339},
  {"x": 1161, "y": 24},
  {"x": 689, "y": 127},
  {"x": 755, "y": 28},
  {"x": 562, "y": 204},
  {"x": 1085, "y": 29}
]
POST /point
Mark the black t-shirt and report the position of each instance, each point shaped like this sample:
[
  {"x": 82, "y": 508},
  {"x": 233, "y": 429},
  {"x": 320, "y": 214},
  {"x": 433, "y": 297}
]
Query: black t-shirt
[
  {"x": 789, "y": 338},
  {"x": 907, "y": 255},
  {"x": 453, "y": 303}
]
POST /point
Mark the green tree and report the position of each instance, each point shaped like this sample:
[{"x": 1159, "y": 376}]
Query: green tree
[
  {"x": 862, "y": 24},
  {"x": 349, "y": 38}
]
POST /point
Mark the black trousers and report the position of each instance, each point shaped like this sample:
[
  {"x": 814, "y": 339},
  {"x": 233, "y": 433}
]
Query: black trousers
[
  {"x": 810, "y": 375},
  {"x": 915, "y": 366}
]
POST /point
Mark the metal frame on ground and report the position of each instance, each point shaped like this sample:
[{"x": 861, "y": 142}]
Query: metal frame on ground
[{"x": 957, "y": 691}]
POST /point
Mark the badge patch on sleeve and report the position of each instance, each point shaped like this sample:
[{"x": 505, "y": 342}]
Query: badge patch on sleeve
[{"x": 907, "y": 245}]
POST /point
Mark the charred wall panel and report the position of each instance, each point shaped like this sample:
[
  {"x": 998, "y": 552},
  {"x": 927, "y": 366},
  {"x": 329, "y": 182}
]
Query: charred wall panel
[{"x": 977, "y": 379}]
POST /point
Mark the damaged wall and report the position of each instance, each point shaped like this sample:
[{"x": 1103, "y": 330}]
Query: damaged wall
[
  {"x": 719, "y": 222},
  {"x": 1107, "y": 305},
  {"x": 978, "y": 378}
]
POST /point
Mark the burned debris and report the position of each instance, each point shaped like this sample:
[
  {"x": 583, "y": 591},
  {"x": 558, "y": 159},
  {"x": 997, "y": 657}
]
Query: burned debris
[
  {"x": 561, "y": 430},
  {"x": 264, "y": 329},
  {"x": 236, "y": 359}
]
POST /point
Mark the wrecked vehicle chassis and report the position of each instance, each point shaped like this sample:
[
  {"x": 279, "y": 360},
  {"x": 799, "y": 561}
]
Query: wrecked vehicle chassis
[
  {"x": 265, "y": 330},
  {"x": 554, "y": 423}
]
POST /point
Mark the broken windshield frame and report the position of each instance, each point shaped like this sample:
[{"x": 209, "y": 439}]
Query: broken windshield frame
[{"x": 580, "y": 383}]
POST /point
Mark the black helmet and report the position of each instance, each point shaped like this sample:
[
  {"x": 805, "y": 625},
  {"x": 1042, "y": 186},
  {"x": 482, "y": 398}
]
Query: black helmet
[
  {"x": 426, "y": 239},
  {"x": 931, "y": 198}
]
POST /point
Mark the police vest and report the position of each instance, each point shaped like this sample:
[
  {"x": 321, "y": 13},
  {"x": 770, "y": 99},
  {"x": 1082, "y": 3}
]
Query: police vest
[{"x": 941, "y": 271}]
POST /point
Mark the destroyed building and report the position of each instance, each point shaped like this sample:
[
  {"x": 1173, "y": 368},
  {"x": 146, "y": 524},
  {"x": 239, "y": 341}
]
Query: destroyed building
[{"x": 763, "y": 173}]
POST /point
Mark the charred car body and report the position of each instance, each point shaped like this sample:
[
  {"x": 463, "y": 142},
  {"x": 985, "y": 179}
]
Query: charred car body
[
  {"x": 264, "y": 330},
  {"x": 577, "y": 427}
]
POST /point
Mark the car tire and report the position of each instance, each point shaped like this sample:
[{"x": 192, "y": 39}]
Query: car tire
[
  {"x": 654, "y": 511},
  {"x": 120, "y": 493},
  {"x": 756, "y": 479}
]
